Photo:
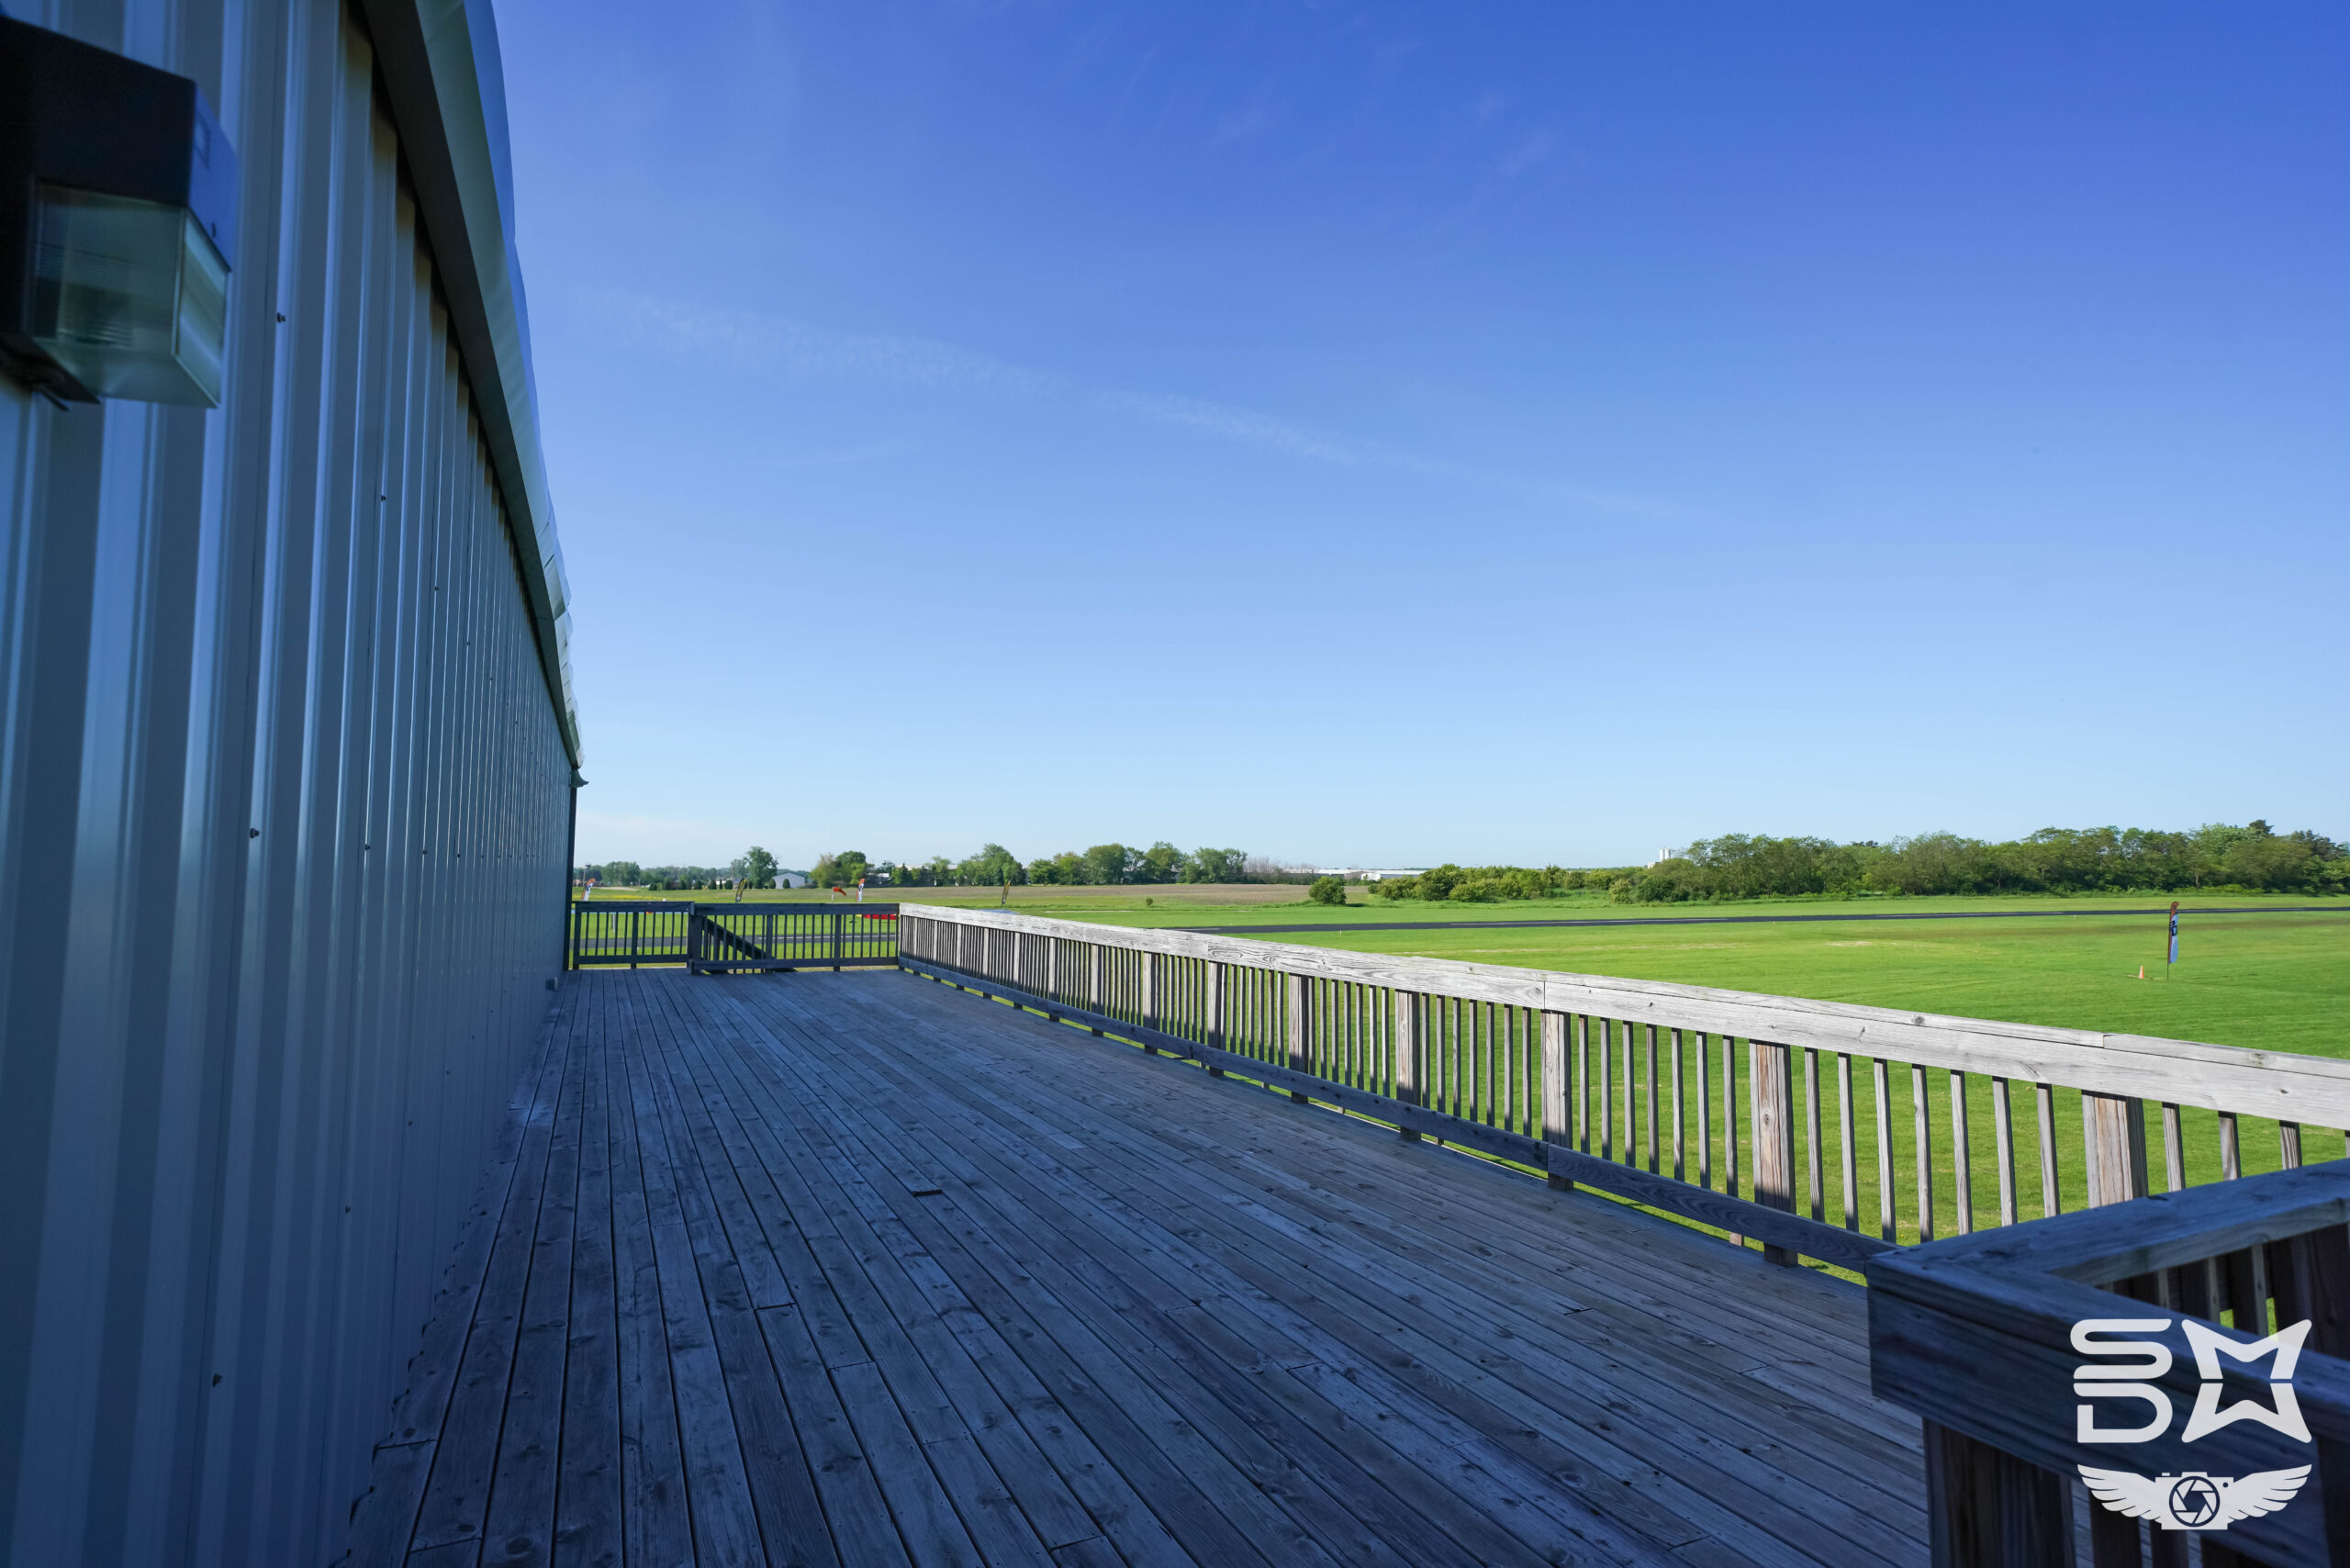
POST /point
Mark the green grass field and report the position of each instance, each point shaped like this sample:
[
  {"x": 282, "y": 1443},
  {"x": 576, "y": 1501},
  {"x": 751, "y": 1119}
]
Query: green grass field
[{"x": 2270, "y": 981}]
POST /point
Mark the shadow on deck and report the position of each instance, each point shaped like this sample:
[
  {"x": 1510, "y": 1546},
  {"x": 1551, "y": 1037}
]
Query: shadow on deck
[{"x": 859, "y": 1269}]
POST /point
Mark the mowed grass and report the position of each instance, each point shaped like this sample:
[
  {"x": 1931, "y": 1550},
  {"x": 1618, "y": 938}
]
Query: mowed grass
[
  {"x": 2278, "y": 982},
  {"x": 2268, "y": 982},
  {"x": 1182, "y": 903}
]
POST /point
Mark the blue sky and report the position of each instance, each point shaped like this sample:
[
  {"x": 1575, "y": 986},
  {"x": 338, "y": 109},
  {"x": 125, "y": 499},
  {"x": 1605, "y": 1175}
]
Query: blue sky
[{"x": 1397, "y": 433}]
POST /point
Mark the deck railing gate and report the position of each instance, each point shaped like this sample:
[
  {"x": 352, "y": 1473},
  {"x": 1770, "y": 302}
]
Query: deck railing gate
[{"x": 724, "y": 938}]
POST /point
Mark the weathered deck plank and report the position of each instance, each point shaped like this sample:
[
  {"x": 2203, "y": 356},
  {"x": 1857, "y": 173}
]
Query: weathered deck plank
[{"x": 857, "y": 1268}]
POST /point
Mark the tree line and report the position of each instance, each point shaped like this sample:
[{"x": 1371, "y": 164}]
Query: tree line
[
  {"x": 754, "y": 867},
  {"x": 2217, "y": 855},
  {"x": 1104, "y": 865},
  {"x": 2252, "y": 857}
]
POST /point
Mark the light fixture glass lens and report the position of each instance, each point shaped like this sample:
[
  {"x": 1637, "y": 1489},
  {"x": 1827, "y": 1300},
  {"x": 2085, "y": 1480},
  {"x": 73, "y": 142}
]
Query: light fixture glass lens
[{"x": 130, "y": 296}]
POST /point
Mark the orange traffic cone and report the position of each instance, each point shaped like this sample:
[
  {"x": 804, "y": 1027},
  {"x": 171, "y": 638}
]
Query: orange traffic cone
[{"x": 2142, "y": 971}]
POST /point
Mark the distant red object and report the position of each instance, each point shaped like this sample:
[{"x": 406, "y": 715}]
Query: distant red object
[{"x": 869, "y": 915}]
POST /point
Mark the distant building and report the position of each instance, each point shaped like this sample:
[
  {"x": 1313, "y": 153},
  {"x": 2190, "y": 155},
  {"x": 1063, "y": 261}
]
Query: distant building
[{"x": 1363, "y": 874}]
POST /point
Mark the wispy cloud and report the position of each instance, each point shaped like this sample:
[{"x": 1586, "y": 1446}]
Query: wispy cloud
[
  {"x": 763, "y": 343},
  {"x": 753, "y": 341},
  {"x": 1245, "y": 426},
  {"x": 1538, "y": 147},
  {"x": 1241, "y": 124},
  {"x": 827, "y": 457}
]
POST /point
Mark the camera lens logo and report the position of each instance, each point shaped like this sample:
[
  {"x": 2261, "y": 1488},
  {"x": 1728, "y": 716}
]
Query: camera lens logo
[
  {"x": 2194, "y": 1501},
  {"x": 2124, "y": 1372}
]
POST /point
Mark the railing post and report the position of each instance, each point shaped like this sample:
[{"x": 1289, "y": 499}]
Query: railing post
[
  {"x": 2114, "y": 1157},
  {"x": 1555, "y": 1128},
  {"x": 1300, "y": 1058},
  {"x": 1408, "y": 1054},
  {"x": 840, "y": 921},
  {"x": 1771, "y": 1070},
  {"x": 1989, "y": 1509},
  {"x": 2114, "y": 1132}
]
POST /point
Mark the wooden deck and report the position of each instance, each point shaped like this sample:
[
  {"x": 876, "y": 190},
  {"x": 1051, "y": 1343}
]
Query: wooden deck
[{"x": 859, "y": 1269}]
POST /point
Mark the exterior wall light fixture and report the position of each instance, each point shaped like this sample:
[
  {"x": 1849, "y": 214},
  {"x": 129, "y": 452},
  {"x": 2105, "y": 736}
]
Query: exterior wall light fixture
[{"x": 118, "y": 201}]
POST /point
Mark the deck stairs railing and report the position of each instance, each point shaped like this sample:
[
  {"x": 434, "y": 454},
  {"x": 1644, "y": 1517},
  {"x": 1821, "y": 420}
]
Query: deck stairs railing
[{"x": 712, "y": 938}]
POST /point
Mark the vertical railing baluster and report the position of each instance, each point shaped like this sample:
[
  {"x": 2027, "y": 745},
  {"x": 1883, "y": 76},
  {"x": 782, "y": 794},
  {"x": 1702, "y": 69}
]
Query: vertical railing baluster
[
  {"x": 1922, "y": 1130},
  {"x": 1960, "y": 1159},
  {"x": 2174, "y": 1149},
  {"x": 1406, "y": 1067},
  {"x": 1881, "y": 1080},
  {"x": 1293, "y": 1000},
  {"x": 1147, "y": 997},
  {"x": 1530, "y": 1043},
  {"x": 1606, "y": 1054},
  {"x": 1705, "y": 1115},
  {"x": 1680, "y": 1172},
  {"x": 1211, "y": 1026},
  {"x": 2003, "y": 1135},
  {"x": 1848, "y": 1142},
  {"x": 1729, "y": 1125},
  {"x": 1582, "y": 1080},
  {"x": 1631, "y": 1148},
  {"x": 1812, "y": 1170},
  {"x": 1450, "y": 1056},
  {"x": 1649, "y": 1035},
  {"x": 2052, "y": 1190}
]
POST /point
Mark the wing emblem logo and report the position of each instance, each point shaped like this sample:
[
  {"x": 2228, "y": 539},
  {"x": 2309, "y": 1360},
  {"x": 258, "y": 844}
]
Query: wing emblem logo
[{"x": 2194, "y": 1500}]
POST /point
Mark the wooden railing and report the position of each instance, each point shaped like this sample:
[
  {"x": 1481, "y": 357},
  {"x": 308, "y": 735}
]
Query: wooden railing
[
  {"x": 714, "y": 938},
  {"x": 1979, "y": 1336},
  {"x": 1816, "y": 1129}
]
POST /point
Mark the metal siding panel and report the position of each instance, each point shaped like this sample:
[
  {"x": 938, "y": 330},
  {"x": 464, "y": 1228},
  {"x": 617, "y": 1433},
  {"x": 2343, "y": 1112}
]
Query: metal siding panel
[{"x": 247, "y": 1083}]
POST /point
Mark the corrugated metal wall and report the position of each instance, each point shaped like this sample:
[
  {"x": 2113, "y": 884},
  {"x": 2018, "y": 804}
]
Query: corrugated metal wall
[{"x": 284, "y": 797}]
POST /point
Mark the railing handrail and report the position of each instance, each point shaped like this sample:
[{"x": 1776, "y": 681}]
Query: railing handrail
[
  {"x": 1977, "y": 1335},
  {"x": 2231, "y": 1079}
]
